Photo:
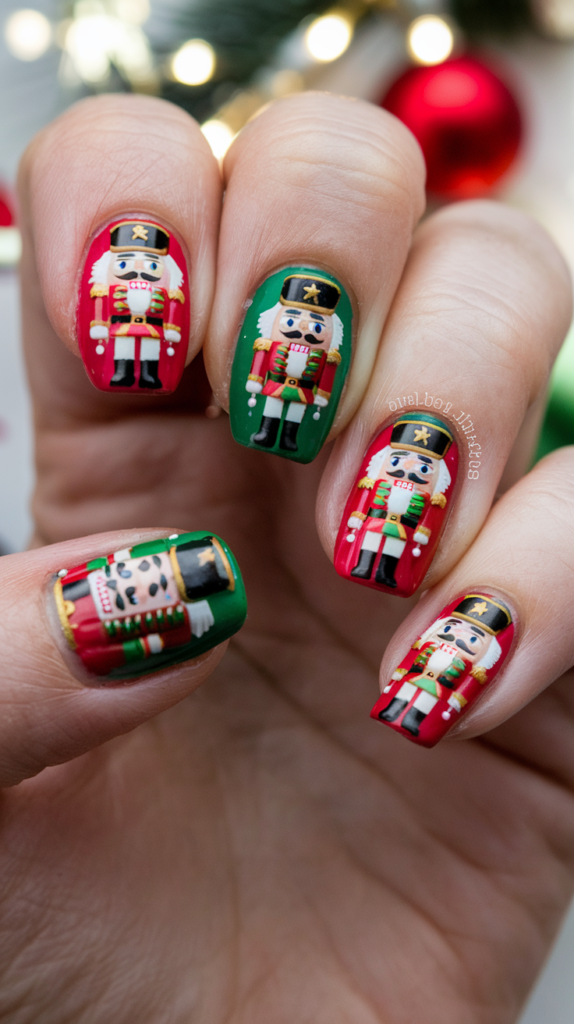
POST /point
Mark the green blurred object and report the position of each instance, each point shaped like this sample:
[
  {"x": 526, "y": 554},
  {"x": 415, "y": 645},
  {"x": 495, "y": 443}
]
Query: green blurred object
[{"x": 558, "y": 427}]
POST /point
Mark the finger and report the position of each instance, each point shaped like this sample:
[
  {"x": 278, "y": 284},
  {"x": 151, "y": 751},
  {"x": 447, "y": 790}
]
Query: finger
[
  {"x": 119, "y": 251},
  {"x": 322, "y": 195},
  {"x": 79, "y": 623},
  {"x": 503, "y": 612},
  {"x": 479, "y": 316}
]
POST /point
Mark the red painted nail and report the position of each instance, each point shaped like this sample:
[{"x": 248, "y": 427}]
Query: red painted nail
[
  {"x": 447, "y": 669},
  {"x": 396, "y": 511},
  {"x": 133, "y": 311}
]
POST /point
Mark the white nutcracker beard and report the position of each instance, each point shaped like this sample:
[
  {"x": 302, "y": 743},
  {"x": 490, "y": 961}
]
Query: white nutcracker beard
[
  {"x": 101, "y": 267},
  {"x": 139, "y": 299}
]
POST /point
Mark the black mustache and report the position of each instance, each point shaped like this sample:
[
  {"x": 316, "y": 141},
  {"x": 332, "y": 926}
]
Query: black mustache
[
  {"x": 399, "y": 473},
  {"x": 132, "y": 274},
  {"x": 292, "y": 334},
  {"x": 312, "y": 339},
  {"x": 458, "y": 643}
]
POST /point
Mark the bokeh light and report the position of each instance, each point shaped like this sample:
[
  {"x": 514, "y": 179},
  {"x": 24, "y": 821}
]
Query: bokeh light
[
  {"x": 430, "y": 39},
  {"x": 219, "y": 136},
  {"x": 28, "y": 34},
  {"x": 194, "y": 63},
  {"x": 328, "y": 37}
]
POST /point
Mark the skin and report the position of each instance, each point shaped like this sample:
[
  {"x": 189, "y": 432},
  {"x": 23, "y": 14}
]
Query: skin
[{"x": 264, "y": 853}]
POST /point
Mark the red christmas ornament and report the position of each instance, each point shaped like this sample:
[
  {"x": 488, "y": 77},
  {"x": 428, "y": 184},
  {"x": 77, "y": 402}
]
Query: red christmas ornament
[
  {"x": 6, "y": 215},
  {"x": 466, "y": 121}
]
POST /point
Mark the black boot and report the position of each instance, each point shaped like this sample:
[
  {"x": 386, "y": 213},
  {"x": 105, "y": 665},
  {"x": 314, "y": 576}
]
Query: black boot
[
  {"x": 413, "y": 720},
  {"x": 124, "y": 376},
  {"x": 364, "y": 566},
  {"x": 393, "y": 710},
  {"x": 385, "y": 573},
  {"x": 148, "y": 374},
  {"x": 289, "y": 436},
  {"x": 267, "y": 435}
]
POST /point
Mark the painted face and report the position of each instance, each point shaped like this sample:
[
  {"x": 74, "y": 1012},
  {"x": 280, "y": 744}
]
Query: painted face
[
  {"x": 134, "y": 587},
  {"x": 422, "y": 470},
  {"x": 133, "y": 266},
  {"x": 471, "y": 640},
  {"x": 304, "y": 326}
]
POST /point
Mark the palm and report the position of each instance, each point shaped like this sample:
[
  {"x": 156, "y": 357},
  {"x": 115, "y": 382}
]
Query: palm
[{"x": 262, "y": 852}]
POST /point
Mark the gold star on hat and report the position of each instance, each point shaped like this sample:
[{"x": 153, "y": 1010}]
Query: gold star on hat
[
  {"x": 479, "y": 608},
  {"x": 422, "y": 435},
  {"x": 138, "y": 231},
  {"x": 206, "y": 556},
  {"x": 311, "y": 292}
]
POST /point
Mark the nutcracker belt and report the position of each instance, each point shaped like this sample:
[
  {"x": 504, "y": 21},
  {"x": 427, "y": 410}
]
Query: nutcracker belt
[
  {"x": 290, "y": 389},
  {"x": 127, "y": 319},
  {"x": 388, "y": 523},
  {"x": 429, "y": 682}
]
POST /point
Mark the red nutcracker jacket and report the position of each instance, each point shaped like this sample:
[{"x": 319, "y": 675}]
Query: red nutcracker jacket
[
  {"x": 316, "y": 374},
  {"x": 458, "y": 677},
  {"x": 111, "y": 309},
  {"x": 423, "y": 513}
]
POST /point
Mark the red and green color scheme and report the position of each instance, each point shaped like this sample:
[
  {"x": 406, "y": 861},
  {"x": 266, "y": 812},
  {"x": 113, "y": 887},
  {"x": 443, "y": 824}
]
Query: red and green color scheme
[
  {"x": 291, "y": 362},
  {"x": 133, "y": 311},
  {"x": 150, "y": 606},
  {"x": 395, "y": 513},
  {"x": 447, "y": 669}
]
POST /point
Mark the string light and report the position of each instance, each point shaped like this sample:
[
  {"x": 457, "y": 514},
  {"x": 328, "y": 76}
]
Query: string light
[
  {"x": 194, "y": 63},
  {"x": 328, "y": 37},
  {"x": 28, "y": 34},
  {"x": 219, "y": 136},
  {"x": 430, "y": 39}
]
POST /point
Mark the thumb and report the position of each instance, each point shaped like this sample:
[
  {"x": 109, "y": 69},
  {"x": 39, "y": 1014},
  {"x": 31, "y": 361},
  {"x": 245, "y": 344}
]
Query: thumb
[{"x": 93, "y": 644}]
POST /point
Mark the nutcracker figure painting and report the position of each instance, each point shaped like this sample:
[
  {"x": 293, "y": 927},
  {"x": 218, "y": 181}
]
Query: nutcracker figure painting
[
  {"x": 447, "y": 669},
  {"x": 396, "y": 510},
  {"x": 133, "y": 310},
  {"x": 291, "y": 363},
  {"x": 150, "y": 606}
]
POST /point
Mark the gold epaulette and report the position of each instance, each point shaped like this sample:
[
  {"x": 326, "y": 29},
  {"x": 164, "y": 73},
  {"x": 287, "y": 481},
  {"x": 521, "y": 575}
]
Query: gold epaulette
[
  {"x": 438, "y": 499},
  {"x": 416, "y": 645},
  {"x": 334, "y": 356},
  {"x": 177, "y": 295},
  {"x": 98, "y": 291},
  {"x": 262, "y": 345},
  {"x": 479, "y": 673},
  {"x": 172, "y": 327},
  {"x": 367, "y": 482}
]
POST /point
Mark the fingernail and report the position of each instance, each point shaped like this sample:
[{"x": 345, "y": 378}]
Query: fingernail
[
  {"x": 150, "y": 606},
  {"x": 447, "y": 669},
  {"x": 133, "y": 309},
  {"x": 290, "y": 364},
  {"x": 396, "y": 510}
]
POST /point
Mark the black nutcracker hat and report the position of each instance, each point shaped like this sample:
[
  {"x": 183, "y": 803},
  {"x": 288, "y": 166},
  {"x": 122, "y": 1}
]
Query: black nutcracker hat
[
  {"x": 139, "y": 236},
  {"x": 490, "y": 615},
  {"x": 307, "y": 291},
  {"x": 201, "y": 568},
  {"x": 420, "y": 433}
]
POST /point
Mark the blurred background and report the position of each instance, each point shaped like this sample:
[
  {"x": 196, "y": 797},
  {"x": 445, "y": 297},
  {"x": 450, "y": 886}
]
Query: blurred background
[{"x": 487, "y": 87}]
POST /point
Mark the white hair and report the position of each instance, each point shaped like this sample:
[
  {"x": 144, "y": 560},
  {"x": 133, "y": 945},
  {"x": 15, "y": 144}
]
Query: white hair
[
  {"x": 267, "y": 319},
  {"x": 493, "y": 651},
  {"x": 100, "y": 270},
  {"x": 443, "y": 479}
]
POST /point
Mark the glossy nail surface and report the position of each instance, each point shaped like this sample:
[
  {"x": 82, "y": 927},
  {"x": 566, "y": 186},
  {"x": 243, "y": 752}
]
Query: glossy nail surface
[
  {"x": 290, "y": 364},
  {"x": 396, "y": 510},
  {"x": 150, "y": 606},
  {"x": 447, "y": 669},
  {"x": 133, "y": 309}
]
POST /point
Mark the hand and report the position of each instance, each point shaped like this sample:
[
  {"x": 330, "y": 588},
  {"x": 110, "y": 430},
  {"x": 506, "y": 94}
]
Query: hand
[
  {"x": 354, "y": 523},
  {"x": 421, "y": 538},
  {"x": 99, "y": 332},
  {"x": 254, "y": 387},
  {"x": 263, "y": 852},
  {"x": 201, "y": 618},
  {"x": 170, "y": 335},
  {"x": 320, "y": 401}
]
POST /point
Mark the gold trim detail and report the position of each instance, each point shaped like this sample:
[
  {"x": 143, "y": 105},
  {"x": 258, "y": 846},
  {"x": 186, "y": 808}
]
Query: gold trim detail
[
  {"x": 423, "y": 529},
  {"x": 177, "y": 574},
  {"x": 334, "y": 356},
  {"x": 63, "y": 609},
  {"x": 478, "y": 673},
  {"x": 176, "y": 295},
  {"x": 254, "y": 376},
  {"x": 460, "y": 699},
  {"x": 226, "y": 563},
  {"x": 438, "y": 499},
  {"x": 323, "y": 394},
  {"x": 367, "y": 482},
  {"x": 358, "y": 515},
  {"x": 172, "y": 327},
  {"x": 262, "y": 345},
  {"x": 98, "y": 291},
  {"x": 99, "y": 323}
]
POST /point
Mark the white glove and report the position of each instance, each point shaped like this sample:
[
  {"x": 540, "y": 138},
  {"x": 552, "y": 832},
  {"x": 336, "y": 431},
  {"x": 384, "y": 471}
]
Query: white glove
[
  {"x": 453, "y": 702},
  {"x": 319, "y": 400},
  {"x": 354, "y": 523},
  {"x": 99, "y": 332},
  {"x": 172, "y": 335},
  {"x": 254, "y": 386},
  {"x": 421, "y": 538},
  {"x": 201, "y": 618}
]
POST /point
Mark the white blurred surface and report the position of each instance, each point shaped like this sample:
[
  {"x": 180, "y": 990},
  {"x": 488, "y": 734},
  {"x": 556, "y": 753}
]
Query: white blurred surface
[{"x": 16, "y": 469}]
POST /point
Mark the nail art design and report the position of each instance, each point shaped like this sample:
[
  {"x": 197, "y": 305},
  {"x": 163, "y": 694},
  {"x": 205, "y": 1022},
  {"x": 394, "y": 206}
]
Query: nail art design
[
  {"x": 150, "y": 606},
  {"x": 133, "y": 309},
  {"x": 396, "y": 511},
  {"x": 447, "y": 669},
  {"x": 290, "y": 364}
]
